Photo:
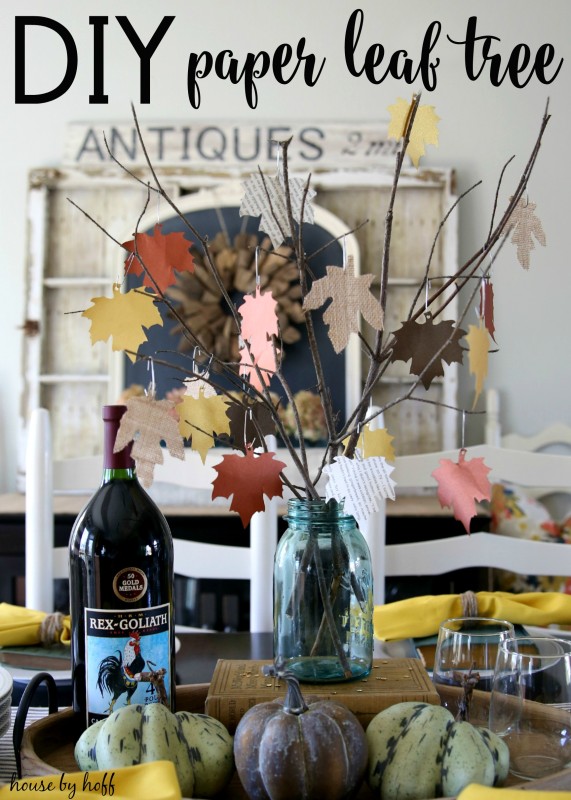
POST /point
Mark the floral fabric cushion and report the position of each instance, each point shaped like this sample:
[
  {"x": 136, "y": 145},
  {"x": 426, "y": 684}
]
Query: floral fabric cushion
[{"x": 515, "y": 513}]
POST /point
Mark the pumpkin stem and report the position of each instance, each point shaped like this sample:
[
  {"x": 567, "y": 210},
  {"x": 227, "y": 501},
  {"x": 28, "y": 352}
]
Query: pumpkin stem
[{"x": 293, "y": 702}]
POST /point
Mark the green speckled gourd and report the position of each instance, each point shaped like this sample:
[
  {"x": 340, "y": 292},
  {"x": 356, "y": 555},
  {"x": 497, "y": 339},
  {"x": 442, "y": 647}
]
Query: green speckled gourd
[
  {"x": 286, "y": 749},
  {"x": 419, "y": 751},
  {"x": 199, "y": 746}
]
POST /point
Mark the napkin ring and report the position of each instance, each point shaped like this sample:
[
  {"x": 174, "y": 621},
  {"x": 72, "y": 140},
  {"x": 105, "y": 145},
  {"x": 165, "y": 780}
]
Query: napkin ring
[
  {"x": 469, "y": 604},
  {"x": 51, "y": 628}
]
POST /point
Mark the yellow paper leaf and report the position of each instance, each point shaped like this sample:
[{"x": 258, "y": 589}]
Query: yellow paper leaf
[
  {"x": 124, "y": 317},
  {"x": 478, "y": 340},
  {"x": 424, "y": 129},
  {"x": 374, "y": 443},
  {"x": 200, "y": 418}
]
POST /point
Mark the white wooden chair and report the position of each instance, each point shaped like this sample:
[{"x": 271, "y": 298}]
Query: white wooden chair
[
  {"x": 438, "y": 556},
  {"x": 44, "y": 562},
  {"x": 554, "y": 438}
]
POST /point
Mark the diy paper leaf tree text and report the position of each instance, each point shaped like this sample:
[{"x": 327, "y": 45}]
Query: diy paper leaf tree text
[
  {"x": 161, "y": 255},
  {"x": 461, "y": 485},
  {"x": 147, "y": 422},
  {"x": 424, "y": 129},
  {"x": 247, "y": 479},
  {"x": 350, "y": 297},
  {"x": 264, "y": 197},
  {"x": 526, "y": 226},
  {"x": 200, "y": 418},
  {"x": 124, "y": 317},
  {"x": 428, "y": 344},
  {"x": 361, "y": 483}
]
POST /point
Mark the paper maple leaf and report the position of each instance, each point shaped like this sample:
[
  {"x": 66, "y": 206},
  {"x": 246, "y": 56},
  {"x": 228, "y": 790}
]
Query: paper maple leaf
[
  {"x": 247, "y": 479},
  {"x": 248, "y": 423},
  {"x": 421, "y": 341},
  {"x": 351, "y": 297},
  {"x": 377, "y": 442},
  {"x": 478, "y": 340},
  {"x": 265, "y": 197},
  {"x": 526, "y": 224},
  {"x": 200, "y": 418},
  {"x": 124, "y": 317},
  {"x": 424, "y": 128},
  {"x": 487, "y": 307},
  {"x": 361, "y": 483},
  {"x": 147, "y": 422},
  {"x": 259, "y": 326},
  {"x": 461, "y": 485},
  {"x": 161, "y": 254}
]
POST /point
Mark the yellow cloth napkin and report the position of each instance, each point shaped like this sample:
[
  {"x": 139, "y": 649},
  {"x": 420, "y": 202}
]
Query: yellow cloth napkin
[
  {"x": 476, "y": 792},
  {"x": 421, "y": 616},
  {"x": 21, "y": 626},
  {"x": 154, "y": 781}
]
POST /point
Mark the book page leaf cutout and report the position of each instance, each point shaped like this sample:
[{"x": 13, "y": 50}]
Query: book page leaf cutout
[
  {"x": 351, "y": 297},
  {"x": 147, "y": 422},
  {"x": 361, "y": 483},
  {"x": 377, "y": 442},
  {"x": 259, "y": 326},
  {"x": 161, "y": 255},
  {"x": 526, "y": 226},
  {"x": 124, "y": 317},
  {"x": 478, "y": 340},
  {"x": 247, "y": 479},
  {"x": 420, "y": 342},
  {"x": 265, "y": 197},
  {"x": 248, "y": 423},
  {"x": 424, "y": 128},
  {"x": 487, "y": 306},
  {"x": 200, "y": 418},
  {"x": 461, "y": 485}
]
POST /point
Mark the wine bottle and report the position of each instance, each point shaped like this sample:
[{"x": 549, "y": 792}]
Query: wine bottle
[{"x": 121, "y": 591}]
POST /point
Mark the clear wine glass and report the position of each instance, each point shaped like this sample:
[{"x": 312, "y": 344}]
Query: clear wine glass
[
  {"x": 464, "y": 664},
  {"x": 530, "y": 704}
]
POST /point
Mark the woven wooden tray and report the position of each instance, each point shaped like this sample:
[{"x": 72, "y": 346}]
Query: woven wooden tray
[{"x": 47, "y": 748}]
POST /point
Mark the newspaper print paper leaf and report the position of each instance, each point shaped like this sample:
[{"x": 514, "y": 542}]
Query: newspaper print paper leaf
[
  {"x": 461, "y": 484},
  {"x": 161, "y": 255},
  {"x": 124, "y": 317},
  {"x": 526, "y": 226},
  {"x": 265, "y": 197},
  {"x": 147, "y": 422},
  {"x": 246, "y": 479},
  {"x": 424, "y": 129},
  {"x": 351, "y": 298},
  {"x": 420, "y": 342},
  {"x": 362, "y": 484}
]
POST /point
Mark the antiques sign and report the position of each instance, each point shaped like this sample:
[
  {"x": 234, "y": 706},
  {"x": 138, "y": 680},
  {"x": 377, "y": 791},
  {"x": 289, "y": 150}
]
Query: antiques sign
[{"x": 223, "y": 147}]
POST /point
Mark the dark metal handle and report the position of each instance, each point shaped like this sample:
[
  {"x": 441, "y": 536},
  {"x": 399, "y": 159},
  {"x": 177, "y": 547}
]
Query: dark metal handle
[{"x": 24, "y": 707}]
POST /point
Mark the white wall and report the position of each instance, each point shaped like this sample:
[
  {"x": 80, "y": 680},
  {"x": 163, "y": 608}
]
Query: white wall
[{"x": 481, "y": 126}]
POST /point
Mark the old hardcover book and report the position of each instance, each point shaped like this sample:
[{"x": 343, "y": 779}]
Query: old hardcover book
[{"x": 238, "y": 685}]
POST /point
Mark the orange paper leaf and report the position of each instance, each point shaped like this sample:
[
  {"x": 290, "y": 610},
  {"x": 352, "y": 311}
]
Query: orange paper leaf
[
  {"x": 461, "y": 485},
  {"x": 161, "y": 254},
  {"x": 247, "y": 479},
  {"x": 123, "y": 317}
]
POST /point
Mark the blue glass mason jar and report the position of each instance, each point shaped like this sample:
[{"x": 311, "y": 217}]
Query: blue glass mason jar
[{"x": 323, "y": 595}]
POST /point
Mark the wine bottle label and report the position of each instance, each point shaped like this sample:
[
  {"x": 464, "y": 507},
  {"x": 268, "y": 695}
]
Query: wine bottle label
[{"x": 127, "y": 658}]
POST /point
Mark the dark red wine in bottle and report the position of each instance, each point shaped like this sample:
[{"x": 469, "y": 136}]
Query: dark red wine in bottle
[{"x": 121, "y": 591}]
